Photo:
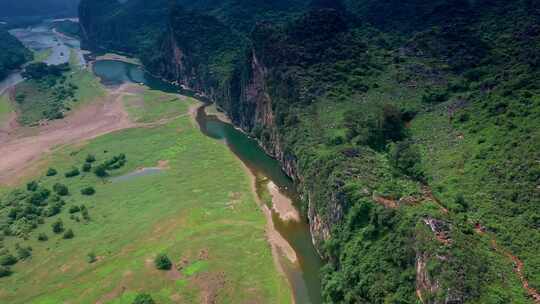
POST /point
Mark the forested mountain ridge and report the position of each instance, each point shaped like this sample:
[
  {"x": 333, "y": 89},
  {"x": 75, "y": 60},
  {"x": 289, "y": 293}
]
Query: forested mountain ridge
[
  {"x": 411, "y": 128},
  {"x": 13, "y": 53},
  {"x": 45, "y": 8}
]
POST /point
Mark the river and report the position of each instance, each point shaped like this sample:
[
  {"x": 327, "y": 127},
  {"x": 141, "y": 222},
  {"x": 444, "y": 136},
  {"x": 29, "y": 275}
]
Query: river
[
  {"x": 43, "y": 37},
  {"x": 303, "y": 276}
]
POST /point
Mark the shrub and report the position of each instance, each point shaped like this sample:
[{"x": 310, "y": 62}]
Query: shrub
[
  {"x": 4, "y": 272},
  {"x": 101, "y": 171},
  {"x": 74, "y": 209},
  {"x": 39, "y": 196},
  {"x": 406, "y": 158},
  {"x": 42, "y": 237},
  {"x": 375, "y": 129},
  {"x": 51, "y": 172},
  {"x": 87, "y": 167},
  {"x": 85, "y": 214},
  {"x": 88, "y": 191},
  {"x": 163, "y": 262},
  {"x": 91, "y": 257},
  {"x": 53, "y": 209},
  {"x": 90, "y": 158},
  {"x": 68, "y": 234},
  {"x": 461, "y": 203},
  {"x": 61, "y": 189},
  {"x": 58, "y": 227},
  {"x": 7, "y": 260},
  {"x": 74, "y": 172},
  {"x": 24, "y": 253},
  {"x": 32, "y": 186},
  {"x": 434, "y": 97},
  {"x": 143, "y": 298}
]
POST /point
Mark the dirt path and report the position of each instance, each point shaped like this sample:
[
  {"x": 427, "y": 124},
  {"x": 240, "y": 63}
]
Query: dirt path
[
  {"x": 20, "y": 152},
  {"x": 518, "y": 265}
]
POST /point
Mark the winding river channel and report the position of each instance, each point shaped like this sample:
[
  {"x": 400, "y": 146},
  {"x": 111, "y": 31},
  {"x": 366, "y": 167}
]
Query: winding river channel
[{"x": 303, "y": 276}]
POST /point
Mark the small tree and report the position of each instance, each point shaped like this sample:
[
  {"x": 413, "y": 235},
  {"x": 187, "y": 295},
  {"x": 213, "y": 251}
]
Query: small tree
[
  {"x": 101, "y": 171},
  {"x": 85, "y": 214},
  {"x": 4, "y": 272},
  {"x": 32, "y": 186},
  {"x": 87, "y": 167},
  {"x": 24, "y": 253},
  {"x": 91, "y": 257},
  {"x": 143, "y": 298},
  {"x": 42, "y": 237},
  {"x": 68, "y": 234},
  {"x": 58, "y": 227},
  {"x": 90, "y": 158},
  {"x": 51, "y": 172},
  {"x": 61, "y": 189},
  {"x": 88, "y": 191},
  {"x": 8, "y": 260},
  {"x": 163, "y": 262},
  {"x": 72, "y": 173},
  {"x": 74, "y": 209}
]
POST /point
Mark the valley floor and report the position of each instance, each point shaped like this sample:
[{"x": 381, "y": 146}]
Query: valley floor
[{"x": 197, "y": 207}]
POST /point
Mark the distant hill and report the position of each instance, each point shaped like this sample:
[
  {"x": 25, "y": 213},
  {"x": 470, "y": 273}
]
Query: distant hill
[
  {"x": 32, "y": 8},
  {"x": 13, "y": 53}
]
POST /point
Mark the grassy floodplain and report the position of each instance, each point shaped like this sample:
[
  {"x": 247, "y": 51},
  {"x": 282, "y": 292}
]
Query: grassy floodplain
[
  {"x": 6, "y": 108},
  {"x": 35, "y": 98},
  {"x": 199, "y": 210}
]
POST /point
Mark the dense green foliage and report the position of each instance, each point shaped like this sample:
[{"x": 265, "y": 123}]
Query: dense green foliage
[
  {"x": 411, "y": 126},
  {"x": 23, "y": 211},
  {"x": 43, "y": 8},
  {"x": 13, "y": 53},
  {"x": 68, "y": 28},
  {"x": 143, "y": 298},
  {"x": 162, "y": 262},
  {"x": 47, "y": 93},
  {"x": 42, "y": 70}
]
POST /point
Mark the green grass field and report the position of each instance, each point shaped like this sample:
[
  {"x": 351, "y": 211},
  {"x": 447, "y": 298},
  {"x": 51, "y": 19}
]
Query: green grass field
[
  {"x": 40, "y": 56},
  {"x": 37, "y": 97},
  {"x": 154, "y": 105},
  {"x": 200, "y": 211},
  {"x": 6, "y": 108}
]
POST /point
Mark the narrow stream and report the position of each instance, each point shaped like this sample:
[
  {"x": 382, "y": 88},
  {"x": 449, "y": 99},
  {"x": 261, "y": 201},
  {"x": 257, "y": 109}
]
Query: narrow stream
[{"x": 304, "y": 277}]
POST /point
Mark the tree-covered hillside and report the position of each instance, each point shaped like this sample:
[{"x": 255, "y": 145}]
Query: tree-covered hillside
[
  {"x": 48, "y": 8},
  {"x": 13, "y": 53},
  {"x": 411, "y": 128}
]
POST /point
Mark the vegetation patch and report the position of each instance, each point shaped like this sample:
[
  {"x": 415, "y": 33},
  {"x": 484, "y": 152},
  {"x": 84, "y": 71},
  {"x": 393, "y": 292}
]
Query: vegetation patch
[{"x": 195, "y": 268}]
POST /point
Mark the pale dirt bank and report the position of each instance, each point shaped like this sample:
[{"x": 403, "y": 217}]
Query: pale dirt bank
[
  {"x": 282, "y": 205},
  {"x": 19, "y": 152}
]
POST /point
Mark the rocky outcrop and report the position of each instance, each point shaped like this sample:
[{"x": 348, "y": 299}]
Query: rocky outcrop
[
  {"x": 254, "y": 109},
  {"x": 429, "y": 286}
]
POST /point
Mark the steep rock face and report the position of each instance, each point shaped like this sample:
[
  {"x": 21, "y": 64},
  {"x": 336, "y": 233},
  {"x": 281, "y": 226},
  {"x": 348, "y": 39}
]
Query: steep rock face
[{"x": 255, "y": 109}]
